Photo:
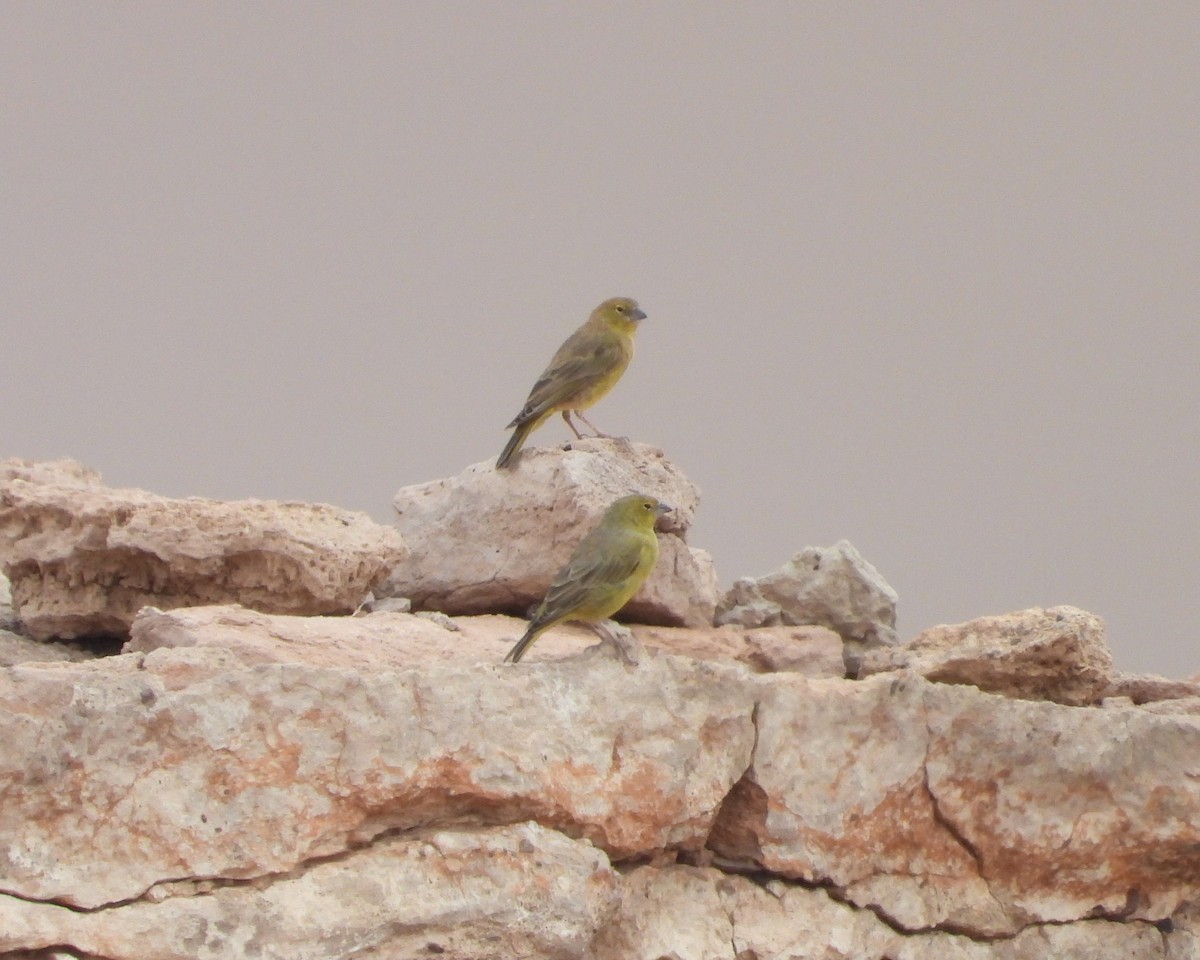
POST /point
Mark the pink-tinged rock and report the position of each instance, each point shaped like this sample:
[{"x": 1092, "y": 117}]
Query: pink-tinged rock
[
  {"x": 16, "y": 649},
  {"x": 70, "y": 473},
  {"x": 1055, "y": 654},
  {"x": 84, "y": 558},
  {"x": 688, "y": 913},
  {"x": 1142, "y": 688},
  {"x": 834, "y": 587},
  {"x": 119, "y": 774},
  {"x": 942, "y": 806},
  {"x": 386, "y": 640},
  {"x": 488, "y": 541},
  {"x": 458, "y": 894}
]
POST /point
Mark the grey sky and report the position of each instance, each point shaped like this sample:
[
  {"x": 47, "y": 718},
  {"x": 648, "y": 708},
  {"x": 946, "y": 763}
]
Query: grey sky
[{"x": 920, "y": 275}]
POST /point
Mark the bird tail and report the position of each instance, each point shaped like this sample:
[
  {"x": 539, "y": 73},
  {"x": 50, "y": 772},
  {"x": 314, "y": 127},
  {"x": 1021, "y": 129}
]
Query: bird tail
[
  {"x": 519, "y": 648},
  {"x": 515, "y": 442}
]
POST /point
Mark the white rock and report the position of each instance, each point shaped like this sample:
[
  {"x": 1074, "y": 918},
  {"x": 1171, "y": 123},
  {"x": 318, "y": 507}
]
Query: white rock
[
  {"x": 385, "y": 640},
  {"x": 489, "y": 541},
  {"x": 123, "y": 773},
  {"x": 83, "y": 559},
  {"x": 459, "y": 894},
  {"x": 1057, "y": 654},
  {"x": 943, "y": 806},
  {"x": 832, "y": 587}
]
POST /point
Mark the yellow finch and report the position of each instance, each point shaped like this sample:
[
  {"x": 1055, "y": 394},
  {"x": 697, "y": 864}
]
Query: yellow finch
[
  {"x": 583, "y": 370},
  {"x": 605, "y": 570}
]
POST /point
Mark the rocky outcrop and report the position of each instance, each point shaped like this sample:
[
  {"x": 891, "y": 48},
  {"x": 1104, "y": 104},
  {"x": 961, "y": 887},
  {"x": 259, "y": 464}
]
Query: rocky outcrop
[
  {"x": 513, "y": 891},
  {"x": 490, "y": 540},
  {"x": 1056, "y": 654},
  {"x": 83, "y": 558},
  {"x": 246, "y": 783},
  {"x": 7, "y": 620},
  {"x": 1012, "y": 812},
  {"x": 396, "y": 640},
  {"x": 196, "y": 795},
  {"x": 832, "y": 587},
  {"x": 136, "y": 770}
]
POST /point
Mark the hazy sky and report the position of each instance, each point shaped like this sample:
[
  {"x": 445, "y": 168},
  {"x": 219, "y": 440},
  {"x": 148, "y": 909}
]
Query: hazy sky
[{"x": 920, "y": 275}]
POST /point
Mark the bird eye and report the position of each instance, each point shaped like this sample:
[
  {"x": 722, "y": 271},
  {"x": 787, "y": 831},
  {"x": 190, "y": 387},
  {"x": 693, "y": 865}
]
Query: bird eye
[{"x": 620, "y": 309}]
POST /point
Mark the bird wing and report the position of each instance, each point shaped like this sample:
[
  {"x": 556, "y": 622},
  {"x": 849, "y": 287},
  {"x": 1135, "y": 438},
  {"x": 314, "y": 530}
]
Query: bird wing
[
  {"x": 589, "y": 576},
  {"x": 585, "y": 356}
]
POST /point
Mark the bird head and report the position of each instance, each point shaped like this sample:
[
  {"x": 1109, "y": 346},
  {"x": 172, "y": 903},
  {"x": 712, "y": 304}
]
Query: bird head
[
  {"x": 637, "y": 509},
  {"x": 622, "y": 313}
]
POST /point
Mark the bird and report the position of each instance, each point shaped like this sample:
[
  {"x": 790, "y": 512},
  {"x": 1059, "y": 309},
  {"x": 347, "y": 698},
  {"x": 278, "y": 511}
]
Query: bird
[
  {"x": 605, "y": 571},
  {"x": 584, "y": 369}
]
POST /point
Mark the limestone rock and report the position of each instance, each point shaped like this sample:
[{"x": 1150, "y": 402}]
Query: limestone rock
[
  {"x": 688, "y": 913},
  {"x": 123, "y": 773},
  {"x": 387, "y": 641},
  {"x": 84, "y": 558},
  {"x": 16, "y": 649},
  {"x": 458, "y": 894},
  {"x": 8, "y": 620},
  {"x": 811, "y": 651},
  {"x": 1053, "y": 654},
  {"x": 941, "y": 806},
  {"x": 488, "y": 541},
  {"x": 1147, "y": 688},
  {"x": 67, "y": 473},
  {"x": 832, "y": 587}
]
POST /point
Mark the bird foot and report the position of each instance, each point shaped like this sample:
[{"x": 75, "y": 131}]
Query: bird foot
[{"x": 620, "y": 640}]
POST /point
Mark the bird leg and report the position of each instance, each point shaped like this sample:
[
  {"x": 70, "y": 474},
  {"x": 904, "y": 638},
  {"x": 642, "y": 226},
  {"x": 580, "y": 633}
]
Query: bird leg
[
  {"x": 567, "y": 416},
  {"x": 598, "y": 433},
  {"x": 622, "y": 640}
]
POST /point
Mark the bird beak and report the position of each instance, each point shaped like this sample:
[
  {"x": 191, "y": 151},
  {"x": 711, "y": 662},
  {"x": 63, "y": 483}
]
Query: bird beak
[
  {"x": 662, "y": 510},
  {"x": 637, "y": 314}
]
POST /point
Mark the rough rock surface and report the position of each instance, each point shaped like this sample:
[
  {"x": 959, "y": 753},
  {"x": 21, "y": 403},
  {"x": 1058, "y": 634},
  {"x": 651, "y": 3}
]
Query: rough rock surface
[
  {"x": 514, "y": 891},
  {"x": 1054, "y": 654},
  {"x": 16, "y": 649},
  {"x": 1148, "y": 688},
  {"x": 275, "y": 786},
  {"x": 386, "y": 640},
  {"x": 832, "y": 587},
  {"x": 84, "y": 558},
  {"x": 479, "y": 540},
  {"x": 59, "y": 472},
  {"x": 8, "y": 620},
  {"x": 689, "y": 913},
  {"x": 941, "y": 806},
  {"x": 379, "y": 786},
  {"x": 127, "y": 772}
]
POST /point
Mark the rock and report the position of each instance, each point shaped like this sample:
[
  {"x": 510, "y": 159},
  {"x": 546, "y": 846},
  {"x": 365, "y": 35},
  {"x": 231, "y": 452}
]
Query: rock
[
  {"x": 1055, "y": 654},
  {"x": 67, "y": 473},
  {"x": 84, "y": 558},
  {"x": 1147, "y": 688},
  {"x": 811, "y": 651},
  {"x": 688, "y": 913},
  {"x": 16, "y": 649},
  {"x": 8, "y": 620},
  {"x": 832, "y": 587},
  {"x": 385, "y": 641},
  {"x": 489, "y": 541},
  {"x": 128, "y": 772},
  {"x": 941, "y": 806},
  {"x": 513, "y": 891}
]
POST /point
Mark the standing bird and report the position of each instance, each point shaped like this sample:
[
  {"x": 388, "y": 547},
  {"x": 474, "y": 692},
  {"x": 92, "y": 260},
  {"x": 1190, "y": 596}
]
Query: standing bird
[
  {"x": 604, "y": 572},
  {"x": 583, "y": 370}
]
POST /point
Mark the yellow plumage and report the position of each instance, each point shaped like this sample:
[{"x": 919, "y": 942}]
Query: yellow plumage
[
  {"x": 583, "y": 370},
  {"x": 604, "y": 572}
]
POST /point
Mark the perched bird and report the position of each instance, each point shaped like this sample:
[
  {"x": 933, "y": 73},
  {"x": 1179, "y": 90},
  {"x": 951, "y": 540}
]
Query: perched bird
[
  {"x": 583, "y": 370},
  {"x": 605, "y": 570}
]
